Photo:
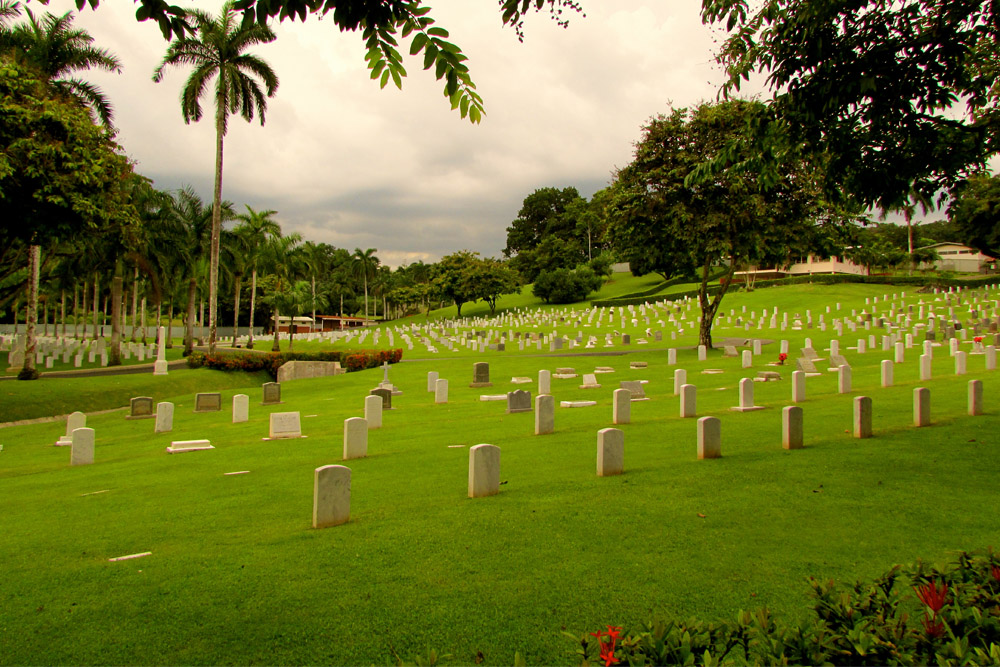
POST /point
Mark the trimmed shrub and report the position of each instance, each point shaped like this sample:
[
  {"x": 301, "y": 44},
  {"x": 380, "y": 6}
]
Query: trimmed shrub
[
  {"x": 252, "y": 362},
  {"x": 566, "y": 285}
]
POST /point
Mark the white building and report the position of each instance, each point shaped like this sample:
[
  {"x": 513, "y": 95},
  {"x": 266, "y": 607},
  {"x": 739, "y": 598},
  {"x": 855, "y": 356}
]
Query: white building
[
  {"x": 811, "y": 265},
  {"x": 960, "y": 258}
]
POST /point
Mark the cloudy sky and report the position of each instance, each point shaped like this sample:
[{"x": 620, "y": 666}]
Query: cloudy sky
[{"x": 347, "y": 163}]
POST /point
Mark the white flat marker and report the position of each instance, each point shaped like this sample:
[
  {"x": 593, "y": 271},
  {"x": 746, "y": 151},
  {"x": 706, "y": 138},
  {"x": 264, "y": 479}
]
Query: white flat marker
[
  {"x": 238, "y": 472},
  {"x": 130, "y": 556}
]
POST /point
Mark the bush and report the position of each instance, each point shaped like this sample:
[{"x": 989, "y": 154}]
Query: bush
[
  {"x": 252, "y": 362},
  {"x": 945, "y": 617},
  {"x": 566, "y": 285}
]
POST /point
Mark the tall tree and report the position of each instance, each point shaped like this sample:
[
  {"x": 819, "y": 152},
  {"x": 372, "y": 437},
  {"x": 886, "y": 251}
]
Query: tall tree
[
  {"x": 364, "y": 266},
  {"x": 257, "y": 228},
  {"x": 975, "y": 211},
  {"x": 283, "y": 264},
  {"x": 219, "y": 51},
  {"x": 733, "y": 219},
  {"x": 56, "y": 50}
]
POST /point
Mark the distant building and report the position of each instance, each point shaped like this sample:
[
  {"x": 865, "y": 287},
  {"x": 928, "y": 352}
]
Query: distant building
[
  {"x": 811, "y": 265},
  {"x": 960, "y": 258},
  {"x": 323, "y": 323}
]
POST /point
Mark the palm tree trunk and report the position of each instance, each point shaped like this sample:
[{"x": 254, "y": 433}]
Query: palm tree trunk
[
  {"x": 135, "y": 299},
  {"x": 314, "y": 301},
  {"x": 45, "y": 316},
  {"x": 236, "y": 308},
  {"x": 142, "y": 321},
  {"x": 62, "y": 310},
  {"x": 213, "y": 275},
  {"x": 76, "y": 311},
  {"x": 275, "y": 347},
  {"x": 170, "y": 326},
  {"x": 253, "y": 303},
  {"x": 97, "y": 301},
  {"x": 366, "y": 298},
  {"x": 115, "y": 353},
  {"x": 28, "y": 371},
  {"x": 189, "y": 329},
  {"x": 83, "y": 310}
]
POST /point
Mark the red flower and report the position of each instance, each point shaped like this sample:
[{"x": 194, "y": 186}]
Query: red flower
[
  {"x": 782, "y": 356},
  {"x": 608, "y": 647},
  {"x": 932, "y": 597},
  {"x": 995, "y": 571},
  {"x": 978, "y": 339},
  {"x": 933, "y": 629}
]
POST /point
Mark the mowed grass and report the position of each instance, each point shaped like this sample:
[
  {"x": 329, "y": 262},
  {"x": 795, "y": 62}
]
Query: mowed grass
[{"x": 237, "y": 575}]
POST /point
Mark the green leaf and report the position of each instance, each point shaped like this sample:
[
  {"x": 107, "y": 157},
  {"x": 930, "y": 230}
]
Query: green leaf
[
  {"x": 418, "y": 43},
  {"x": 464, "y": 106},
  {"x": 385, "y": 79},
  {"x": 396, "y": 78},
  {"x": 437, "y": 32},
  {"x": 430, "y": 56},
  {"x": 475, "y": 114}
]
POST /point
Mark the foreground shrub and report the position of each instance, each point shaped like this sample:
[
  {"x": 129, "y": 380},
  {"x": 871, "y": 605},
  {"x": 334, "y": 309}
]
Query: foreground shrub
[
  {"x": 252, "y": 362},
  {"x": 917, "y": 615}
]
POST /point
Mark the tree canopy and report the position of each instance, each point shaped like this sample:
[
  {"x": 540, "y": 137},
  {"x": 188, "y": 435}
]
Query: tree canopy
[
  {"x": 735, "y": 218},
  {"x": 901, "y": 95}
]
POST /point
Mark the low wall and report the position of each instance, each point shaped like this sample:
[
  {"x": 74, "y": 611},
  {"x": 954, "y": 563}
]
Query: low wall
[{"x": 298, "y": 370}]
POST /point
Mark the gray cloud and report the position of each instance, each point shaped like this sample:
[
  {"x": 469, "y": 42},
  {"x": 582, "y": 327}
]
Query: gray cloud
[{"x": 346, "y": 163}]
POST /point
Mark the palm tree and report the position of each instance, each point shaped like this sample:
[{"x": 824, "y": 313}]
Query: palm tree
[
  {"x": 257, "y": 228},
  {"x": 56, "y": 50},
  {"x": 283, "y": 262},
  {"x": 364, "y": 265},
  {"x": 218, "y": 52},
  {"x": 316, "y": 260}
]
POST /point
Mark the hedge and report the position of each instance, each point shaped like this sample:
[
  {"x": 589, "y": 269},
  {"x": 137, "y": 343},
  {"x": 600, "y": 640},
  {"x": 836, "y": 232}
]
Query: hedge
[
  {"x": 252, "y": 362},
  {"x": 917, "y": 615},
  {"x": 823, "y": 279}
]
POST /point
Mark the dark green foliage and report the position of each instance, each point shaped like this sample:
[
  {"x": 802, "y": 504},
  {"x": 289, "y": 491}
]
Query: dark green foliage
[
  {"x": 878, "y": 86},
  {"x": 914, "y": 616},
  {"x": 975, "y": 211},
  {"x": 566, "y": 285}
]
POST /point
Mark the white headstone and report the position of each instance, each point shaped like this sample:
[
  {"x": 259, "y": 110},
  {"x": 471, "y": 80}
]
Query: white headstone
[
  {"x": 164, "y": 417},
  {"x": 285, "y": 425},
  {"x": 241, "y": 408},
  {"x": 331, "y": 496},
  {"x": 373, "y": 411},
  {"x": 484, "y": 470},
  {"x": 83, "y": 447},
  {"x": 610, "y": 451},
  {"x": 355, "y": 437}
]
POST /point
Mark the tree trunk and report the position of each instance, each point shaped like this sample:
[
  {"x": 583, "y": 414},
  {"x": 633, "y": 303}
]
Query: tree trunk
[
  {"x": 115, "y": 353},
  {"x": 135, "y": 299},
  {"x": 84, "y": 310},
  {"x": 314, "y": 301},
  {"x": 28, "y": 371},
  {"x": 189, "y": 327},
  {"x": 213, "y": 271},
  {"x": 104, "y": 315},
  {"x": 170, "y": 326},
  {"x": 366, "y": 298},
  {"x": 253, "y": 304},
  {"x": 275, "y": 347},
  {"x": 62, "y": 310},
  {"x": 97, "y": 301},
  {"x": 291, "y": 333},
  {"x": 709, "y": 309},
  {"x": 45, "y": 316},
  {"x": 236, "y": 308},
  {"x": 142, "y": 321}
]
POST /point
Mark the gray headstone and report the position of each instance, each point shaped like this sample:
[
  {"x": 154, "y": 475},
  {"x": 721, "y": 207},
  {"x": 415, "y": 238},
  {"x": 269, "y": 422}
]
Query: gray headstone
[
  {"x": 635, "y": 387},
  {"x": 141, "y": 407},
  {"x": 518, "y": 401},
  {"x": 975, "y": 398},
  {"x": 481, "y": 375},
  {"x": 385, "y": 395},
  {"x": 207, "y": 402},
  {"x": 544, "y": 382},
  {"x": 806, "y": 365},
  {"x": 272, "y": 393}
]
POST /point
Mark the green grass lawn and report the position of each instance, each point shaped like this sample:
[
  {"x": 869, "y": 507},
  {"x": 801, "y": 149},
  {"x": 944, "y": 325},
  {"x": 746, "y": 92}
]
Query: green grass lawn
[{"x": 237, "y": 575}]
